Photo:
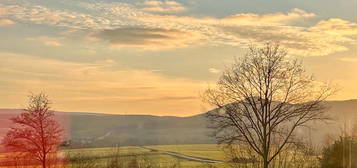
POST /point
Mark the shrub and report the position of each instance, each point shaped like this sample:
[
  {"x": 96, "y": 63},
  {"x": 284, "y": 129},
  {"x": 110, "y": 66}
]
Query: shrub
[{"x": 341, "y": 154}]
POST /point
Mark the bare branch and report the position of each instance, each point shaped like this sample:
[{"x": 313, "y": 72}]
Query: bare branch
[{"x": 262, "y": 99}]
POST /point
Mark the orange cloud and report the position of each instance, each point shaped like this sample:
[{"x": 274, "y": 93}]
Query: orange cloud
[
  {"x": 336, "y": 27},
  {"x": 274, "y": 18},
  {"x": 6, "y": 22}
]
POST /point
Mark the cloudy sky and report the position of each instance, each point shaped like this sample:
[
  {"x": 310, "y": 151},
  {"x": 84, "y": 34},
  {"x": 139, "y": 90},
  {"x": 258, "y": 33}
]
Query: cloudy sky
[{"x": 155, "y": 57}]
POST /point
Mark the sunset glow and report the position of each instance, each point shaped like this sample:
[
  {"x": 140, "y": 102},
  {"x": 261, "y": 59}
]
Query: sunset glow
[{"x": 157, "y": 57}]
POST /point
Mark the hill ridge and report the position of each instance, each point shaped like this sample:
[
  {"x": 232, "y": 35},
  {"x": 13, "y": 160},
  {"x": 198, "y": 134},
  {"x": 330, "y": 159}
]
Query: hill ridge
[{"x": 101, "y": 130}]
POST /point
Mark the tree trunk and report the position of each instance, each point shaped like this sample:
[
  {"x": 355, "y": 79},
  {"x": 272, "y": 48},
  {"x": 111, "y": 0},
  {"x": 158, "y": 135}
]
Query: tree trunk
[
  {"x": 265, "y": 162},
  {"x": 44, "y": 162}
]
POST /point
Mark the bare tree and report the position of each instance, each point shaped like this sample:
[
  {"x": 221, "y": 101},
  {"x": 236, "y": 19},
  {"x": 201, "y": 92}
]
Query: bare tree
[
  {"x": 262, "y": 99},
  {"x": 35, "y": 133}
]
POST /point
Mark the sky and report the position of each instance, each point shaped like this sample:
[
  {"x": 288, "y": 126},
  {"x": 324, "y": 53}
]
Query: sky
[{"x": 157, "y": 57}]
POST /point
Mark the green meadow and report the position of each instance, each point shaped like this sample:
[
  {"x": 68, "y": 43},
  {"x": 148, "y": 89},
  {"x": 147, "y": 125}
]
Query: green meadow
[
  {"x": 160, "y": 156},
  {"x": 144, "y": 157},
  {"x": 209, "y": 151}
]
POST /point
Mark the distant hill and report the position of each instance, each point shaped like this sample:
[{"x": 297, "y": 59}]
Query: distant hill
[{"x": 99, "y": 130}]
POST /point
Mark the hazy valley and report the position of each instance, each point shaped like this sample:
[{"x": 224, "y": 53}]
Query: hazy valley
[{"x": 105, "y": 130}]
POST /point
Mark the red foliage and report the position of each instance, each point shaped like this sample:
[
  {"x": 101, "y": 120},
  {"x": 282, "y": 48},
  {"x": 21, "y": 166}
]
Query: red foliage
[{"x": 35, "y": 135}]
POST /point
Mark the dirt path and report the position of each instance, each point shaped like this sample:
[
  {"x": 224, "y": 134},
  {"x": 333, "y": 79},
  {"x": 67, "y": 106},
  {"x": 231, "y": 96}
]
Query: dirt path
[{"x": 183, "y": 156}]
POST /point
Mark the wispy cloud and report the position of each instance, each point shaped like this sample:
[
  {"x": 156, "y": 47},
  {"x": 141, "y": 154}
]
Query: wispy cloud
[
  {"x": 48, "y": 41},
  {"x": 166, "y": 6},
  {"x": 43, "y": 15},
  {"x": 269, "y": 19},
  {"x": 146, "y": 38},
  {"x": 6, "y": 22},
  {"x": 214, "y": 70},
  {"x": 171, "y": 31}
]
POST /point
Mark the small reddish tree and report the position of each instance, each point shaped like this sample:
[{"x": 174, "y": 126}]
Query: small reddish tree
[{"x": 35, "y": 133}]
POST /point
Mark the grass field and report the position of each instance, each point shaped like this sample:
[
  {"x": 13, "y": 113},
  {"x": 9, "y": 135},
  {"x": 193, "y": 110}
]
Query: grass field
[
  {"x": 153, "y": 157},
  {"x": 210, "y": 151},
  {"x": 102, "y": 157}
]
